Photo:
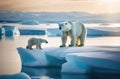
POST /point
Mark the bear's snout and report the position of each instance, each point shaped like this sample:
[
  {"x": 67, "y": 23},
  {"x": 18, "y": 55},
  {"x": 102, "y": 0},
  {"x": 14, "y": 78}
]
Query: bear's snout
[
  {"x": 60, "y": 28},
  {"x": 46, "y": 41}
]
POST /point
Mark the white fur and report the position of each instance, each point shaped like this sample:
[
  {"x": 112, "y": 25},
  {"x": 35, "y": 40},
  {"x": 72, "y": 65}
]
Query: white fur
[
  {"x": 75, "y": 30},
  {"x": 35, "y": 41}
]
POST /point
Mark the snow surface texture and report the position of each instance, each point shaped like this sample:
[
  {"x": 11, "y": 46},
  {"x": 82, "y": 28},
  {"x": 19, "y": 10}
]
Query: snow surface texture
[
  {"x": 32, "y": 57},
  {"x": 92, "y": 62},
  {"x": 15, "y": 76},
  {"x": 74, "y": 59}
]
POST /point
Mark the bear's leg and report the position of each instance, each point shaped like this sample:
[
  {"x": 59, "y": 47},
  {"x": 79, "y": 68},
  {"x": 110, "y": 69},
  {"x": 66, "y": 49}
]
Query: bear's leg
[
  {"x": 78, "y": 41},
  {"x": 83, "y": 35},
  {"x": 29, "y": 46},
  {"x": 64, "y": 39},
  {"x": 40, "y": 46},
  {"x": 82, "y": 41},
  {"x": 37, "y": 46},
  {"x": 73, "y": 41}
]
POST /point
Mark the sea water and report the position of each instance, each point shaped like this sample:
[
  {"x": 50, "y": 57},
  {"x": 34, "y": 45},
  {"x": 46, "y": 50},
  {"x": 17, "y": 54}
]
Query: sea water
[{"x": 10, "y": 61}]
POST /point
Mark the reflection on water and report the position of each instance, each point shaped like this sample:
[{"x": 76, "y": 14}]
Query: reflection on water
[
  {"x": 55, "y": 73},
  {"x": 74, "y": 76},
  {"x": 43, "y": 73},
  {"x": 3, "y": 37},
  {"x": 105, "y": 76}
]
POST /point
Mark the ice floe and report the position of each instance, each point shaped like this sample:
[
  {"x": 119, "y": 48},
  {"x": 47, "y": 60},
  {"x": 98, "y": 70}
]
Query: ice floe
[
  {"x": 100, "y": 62},
  {"x": 74, "y": 59},
  {"x": 32, "y": 57}
]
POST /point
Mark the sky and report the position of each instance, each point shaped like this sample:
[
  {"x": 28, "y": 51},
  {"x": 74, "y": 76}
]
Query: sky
[{"x": 90, "y": 6}]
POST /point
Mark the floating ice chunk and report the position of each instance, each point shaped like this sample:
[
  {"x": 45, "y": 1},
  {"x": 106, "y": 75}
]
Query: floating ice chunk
[
  {"x": 37, "y": 58},
  {"x": 92, "y": 62},
  {"x": 2, "y": 31},
  {"x": 55, "y": 56},
  {"x": 60, "y": 53},
  {"x": 73, "y": 67},
  {"x": 30, "y": 22},
  {"x": 102, "y": 60},
  {"x": 15, "y": 76},
  {"x": 32, "y": 57},
  {"x": 11, "y": 30}
]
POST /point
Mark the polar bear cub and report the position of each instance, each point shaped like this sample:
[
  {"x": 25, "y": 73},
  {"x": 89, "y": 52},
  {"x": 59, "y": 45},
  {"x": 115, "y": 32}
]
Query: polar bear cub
[
  {"x": 35, "y": 41},
  {"x": 75, "y": 30}
]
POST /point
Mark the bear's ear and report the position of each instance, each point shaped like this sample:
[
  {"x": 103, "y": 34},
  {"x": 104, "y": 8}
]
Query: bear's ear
[
  {"x": 59, "y": 24},
  {"x": 69, "y": 22}
]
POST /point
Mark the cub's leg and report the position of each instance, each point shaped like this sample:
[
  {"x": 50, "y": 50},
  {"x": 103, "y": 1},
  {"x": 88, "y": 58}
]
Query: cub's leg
[{"x": 40, "y": 46}]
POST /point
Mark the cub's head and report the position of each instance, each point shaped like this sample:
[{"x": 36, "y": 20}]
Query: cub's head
[
  {"x": 65, "y": 26},
  {"x": 43, "y": 41}
]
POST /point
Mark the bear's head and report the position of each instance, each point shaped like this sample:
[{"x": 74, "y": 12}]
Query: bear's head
[
  {"x": 65, "y": 26},
  {"x": 43, "y": 40}
]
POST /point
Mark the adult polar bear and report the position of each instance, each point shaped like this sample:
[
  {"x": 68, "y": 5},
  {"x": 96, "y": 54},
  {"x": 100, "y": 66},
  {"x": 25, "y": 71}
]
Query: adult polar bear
[{"x": 75, "y": 30}]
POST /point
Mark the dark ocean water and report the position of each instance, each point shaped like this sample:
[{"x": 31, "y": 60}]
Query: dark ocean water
[{"x": 55, "y": 73}]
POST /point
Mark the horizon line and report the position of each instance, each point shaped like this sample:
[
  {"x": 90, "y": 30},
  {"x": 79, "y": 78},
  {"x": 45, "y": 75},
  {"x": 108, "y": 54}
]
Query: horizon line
[{"x": 57, "y": 12}]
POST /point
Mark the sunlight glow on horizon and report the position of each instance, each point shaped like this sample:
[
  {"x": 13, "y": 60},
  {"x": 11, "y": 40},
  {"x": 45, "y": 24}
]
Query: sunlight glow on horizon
[
  {"x": 111, "y": 4},
  {"x": 89, "y": 6},
  {"x": 109, "y": 1}
]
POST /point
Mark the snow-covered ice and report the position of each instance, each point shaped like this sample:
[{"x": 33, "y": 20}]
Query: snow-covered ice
[
  {"x": 32, "y": 57},
  {"x": 60, "y": 53},
  {"x": 30, "y": 22},
  {"x": 92, "y": 62},
  {"x": 74, "y": 59},
  {"x": 10, "y": 30}
]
